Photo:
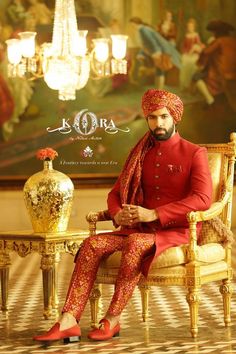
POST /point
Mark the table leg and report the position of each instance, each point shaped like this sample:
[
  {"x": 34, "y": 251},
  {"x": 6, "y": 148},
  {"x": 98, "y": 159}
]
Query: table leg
[
  {"x": 47, "y": 266},
  {"x": 55, "y": 300},
  {"x": 5, "y": 263}
]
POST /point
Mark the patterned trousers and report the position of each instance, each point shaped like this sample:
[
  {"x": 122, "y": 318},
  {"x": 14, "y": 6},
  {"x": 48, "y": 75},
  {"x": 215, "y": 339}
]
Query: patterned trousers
[{"x": 134, "y": 248}]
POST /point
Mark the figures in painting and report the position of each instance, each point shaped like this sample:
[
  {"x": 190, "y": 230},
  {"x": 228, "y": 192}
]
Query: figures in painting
[
  {"x": 16, "y": 15},
  {"x": 167, "y": 28},
  {"x": 6, "y": 100},
  {"x": 38, "y": 14},
  {"x": 218, "y": 64},
  {"x": 15, "y": 93},
  {"x": 191, "y": 48},
  {"x": 155, "y": 48}
]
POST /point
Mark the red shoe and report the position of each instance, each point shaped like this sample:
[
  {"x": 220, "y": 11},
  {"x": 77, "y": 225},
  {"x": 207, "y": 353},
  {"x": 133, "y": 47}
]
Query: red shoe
[
  {"x": 72, "y": 334},
  {"x": 105, "y": 332}
]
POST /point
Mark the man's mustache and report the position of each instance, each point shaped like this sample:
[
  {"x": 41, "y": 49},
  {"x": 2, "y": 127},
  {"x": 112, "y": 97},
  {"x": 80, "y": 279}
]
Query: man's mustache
[{"x": 160, "y": 130}]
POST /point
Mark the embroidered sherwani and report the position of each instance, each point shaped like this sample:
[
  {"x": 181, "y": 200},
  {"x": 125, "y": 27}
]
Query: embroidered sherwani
[{"x": 174, "y": 179}]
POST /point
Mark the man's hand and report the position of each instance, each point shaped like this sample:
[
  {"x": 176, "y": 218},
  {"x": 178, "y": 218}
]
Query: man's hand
[
  {"x": 122, "y": 218},
  {"x": 140, "y": 214},
  {"x": 132, "y": 214}
]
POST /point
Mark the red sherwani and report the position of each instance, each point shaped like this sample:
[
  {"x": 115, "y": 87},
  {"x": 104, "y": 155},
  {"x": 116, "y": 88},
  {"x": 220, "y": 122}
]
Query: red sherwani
[{"x": 175, "y": 180}]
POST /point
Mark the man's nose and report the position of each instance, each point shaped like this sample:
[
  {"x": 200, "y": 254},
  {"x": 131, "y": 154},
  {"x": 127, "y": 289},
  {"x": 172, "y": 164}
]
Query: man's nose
[{"x": 159, "y": 122}]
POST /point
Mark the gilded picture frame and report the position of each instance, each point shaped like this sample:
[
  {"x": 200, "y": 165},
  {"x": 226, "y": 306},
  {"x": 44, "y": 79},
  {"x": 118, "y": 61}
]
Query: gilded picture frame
[{"x": 94, "y": 133}]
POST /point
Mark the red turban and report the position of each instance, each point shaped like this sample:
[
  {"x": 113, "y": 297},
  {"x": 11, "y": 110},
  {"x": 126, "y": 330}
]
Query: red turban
[{"x": 155, "y": 99}]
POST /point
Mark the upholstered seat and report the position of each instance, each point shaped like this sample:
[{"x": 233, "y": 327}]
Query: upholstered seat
[
  {"x": 205, "y": 259},
  {"x": 174, "y": 256}
]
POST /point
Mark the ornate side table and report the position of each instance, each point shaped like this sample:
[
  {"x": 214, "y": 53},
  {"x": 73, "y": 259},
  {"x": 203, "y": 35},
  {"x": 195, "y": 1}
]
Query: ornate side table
[{"x": 50, "y": 246}]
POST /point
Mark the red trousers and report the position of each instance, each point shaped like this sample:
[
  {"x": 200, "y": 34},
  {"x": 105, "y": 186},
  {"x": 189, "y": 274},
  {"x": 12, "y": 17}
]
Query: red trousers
[{"x": 134, "y": 248}]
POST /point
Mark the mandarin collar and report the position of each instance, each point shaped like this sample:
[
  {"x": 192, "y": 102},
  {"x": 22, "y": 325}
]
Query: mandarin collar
[{"x": 166, "y": 143}]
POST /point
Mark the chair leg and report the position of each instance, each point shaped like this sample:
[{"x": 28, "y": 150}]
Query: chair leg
[
  {"x": 94, "y": 304},
  {"x": 226, "y": 290},
  {"x": 193, "y": 300},
  {"x": 144, "y": 290}
]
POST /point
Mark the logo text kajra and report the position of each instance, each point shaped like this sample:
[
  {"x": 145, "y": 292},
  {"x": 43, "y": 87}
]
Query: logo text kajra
[{"x": 86, "y": 123}]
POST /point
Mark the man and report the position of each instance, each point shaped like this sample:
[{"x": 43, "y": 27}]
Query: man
[
  {"x": 163, "y": 179},
  {"x": 163, "y": 54}
]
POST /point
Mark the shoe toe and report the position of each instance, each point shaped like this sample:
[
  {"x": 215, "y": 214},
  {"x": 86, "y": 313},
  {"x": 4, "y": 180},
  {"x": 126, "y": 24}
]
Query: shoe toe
[
  {"x": 54, "y": 334},
  {"x": 104, "y": 333}
]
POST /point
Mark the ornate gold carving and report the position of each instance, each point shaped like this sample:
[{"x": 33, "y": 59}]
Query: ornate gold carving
[
  {"x": 47, "y": 313},
  {"x": 92, "y": 216},
  {"x": 95, "y": 293},
  {"x": 192, "y": 254},
  {"x": 39, "y": 247},
  {"x": 72, "y": 247},
  {"x": 50, "y": 249},
  {"x": 5, "y": 260},
  {"x": 193, "y": 297},
  {"x": 22, "y": 248},
  {"x": 226, "y": 289},
  {"x": 47, "y": 261},
  {"x": 192, "y": 217},
  {"x": 2, "y": 245},
  {"x": 193, "y": 281}
]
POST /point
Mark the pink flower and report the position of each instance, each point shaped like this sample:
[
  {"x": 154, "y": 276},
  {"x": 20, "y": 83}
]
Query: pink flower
[{"x": 46, "y": 154}]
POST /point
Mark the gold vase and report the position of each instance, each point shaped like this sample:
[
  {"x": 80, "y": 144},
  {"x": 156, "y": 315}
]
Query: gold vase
[{"x": 48, "y": 196}]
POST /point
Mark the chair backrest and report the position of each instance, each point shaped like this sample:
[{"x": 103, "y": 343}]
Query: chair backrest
[{"x": 221, "y": 162}]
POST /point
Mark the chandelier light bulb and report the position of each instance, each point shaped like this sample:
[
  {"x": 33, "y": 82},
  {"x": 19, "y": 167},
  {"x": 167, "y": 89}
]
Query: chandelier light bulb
[
  {"x": 14, "y": 51},
  {"x": 101, "y": 49},
  {"x": 27, "y": 40},
  {"x": 119, "y": 44}
]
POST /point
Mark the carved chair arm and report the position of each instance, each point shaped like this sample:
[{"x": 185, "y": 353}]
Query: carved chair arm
[
  {"x": 216, "y": 208},
  {"x": 194, "y": 217},
  {"x": 95, "y": 216}
]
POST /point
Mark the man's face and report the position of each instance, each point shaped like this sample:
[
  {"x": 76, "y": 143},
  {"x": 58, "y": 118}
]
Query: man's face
[{"x": 161, "y": 124}]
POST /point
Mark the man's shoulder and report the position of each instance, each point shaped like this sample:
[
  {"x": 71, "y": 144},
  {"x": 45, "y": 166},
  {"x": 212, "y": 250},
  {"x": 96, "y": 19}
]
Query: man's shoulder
[{"x": 190, "y": 146}]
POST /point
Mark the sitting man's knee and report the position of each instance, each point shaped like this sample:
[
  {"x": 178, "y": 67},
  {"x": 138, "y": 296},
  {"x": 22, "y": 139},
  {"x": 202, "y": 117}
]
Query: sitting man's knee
[
  {"x": 91, "y": 242},
  {"x": 132, "y": 241}
]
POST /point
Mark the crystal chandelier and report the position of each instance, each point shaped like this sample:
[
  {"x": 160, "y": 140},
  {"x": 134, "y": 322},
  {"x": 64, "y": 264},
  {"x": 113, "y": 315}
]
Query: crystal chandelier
[{"x": 65, "y": 64}]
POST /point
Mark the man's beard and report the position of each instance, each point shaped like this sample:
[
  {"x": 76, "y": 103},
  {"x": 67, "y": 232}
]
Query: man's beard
[{"x": 163, "y": 136}]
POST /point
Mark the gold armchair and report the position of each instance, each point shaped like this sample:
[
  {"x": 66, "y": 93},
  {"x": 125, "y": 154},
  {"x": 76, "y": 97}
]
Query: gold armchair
[{"x": 199, "y": 262}]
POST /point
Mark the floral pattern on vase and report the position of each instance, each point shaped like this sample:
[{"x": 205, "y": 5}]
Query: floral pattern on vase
[{"x": 48, "y": 196}]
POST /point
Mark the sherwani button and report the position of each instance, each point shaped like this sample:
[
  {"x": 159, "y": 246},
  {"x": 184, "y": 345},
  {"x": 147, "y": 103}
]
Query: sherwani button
[
  {"x": 159, "y": 153},
  {"x": 157, "y": 165},
  {"x": 156, "y": 176},
  {"x": 157, "y": 187}
]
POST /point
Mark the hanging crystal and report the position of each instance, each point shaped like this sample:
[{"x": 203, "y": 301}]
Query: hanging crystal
[
  {"x": 66, "y": 67},
  {"x": 65, "y": 63}
]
